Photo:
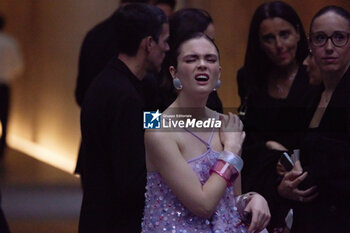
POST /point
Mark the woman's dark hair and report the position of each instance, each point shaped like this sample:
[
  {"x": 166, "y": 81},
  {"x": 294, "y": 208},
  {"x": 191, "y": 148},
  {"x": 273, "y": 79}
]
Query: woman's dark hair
[
  {"x": 175, "y": 51},
  {"x": 256, "y": 63},
  {"x": 186, "y": 22},
  {"x": 331, "y": 8},
  {"x": 182, "y": 24}
]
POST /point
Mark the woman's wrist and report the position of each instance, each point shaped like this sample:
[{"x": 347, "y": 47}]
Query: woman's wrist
[
  {"x": 225, "y": 170},
  {"x": 233, "y": 159},
  {"x": 228, "y": 165},
  {"x": 236, "y": 149}
]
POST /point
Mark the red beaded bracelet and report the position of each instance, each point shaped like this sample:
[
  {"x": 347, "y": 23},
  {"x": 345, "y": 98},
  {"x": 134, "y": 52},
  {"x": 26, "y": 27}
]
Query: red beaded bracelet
[{"x": 225, "y": 170}]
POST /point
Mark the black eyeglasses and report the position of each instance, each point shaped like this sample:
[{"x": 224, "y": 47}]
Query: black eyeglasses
[{"x": 339, "y": 38}]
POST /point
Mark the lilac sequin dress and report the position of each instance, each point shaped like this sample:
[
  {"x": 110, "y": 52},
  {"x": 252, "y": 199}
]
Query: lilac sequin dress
[{"x": 165, "y": 213}]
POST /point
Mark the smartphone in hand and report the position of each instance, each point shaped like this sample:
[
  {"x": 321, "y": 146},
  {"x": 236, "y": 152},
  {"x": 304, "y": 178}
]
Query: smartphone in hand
[{"x": 286, "y": 161}]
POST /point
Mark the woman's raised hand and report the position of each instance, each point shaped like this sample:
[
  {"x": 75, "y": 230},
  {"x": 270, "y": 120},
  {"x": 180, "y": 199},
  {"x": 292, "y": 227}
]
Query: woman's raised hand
[{"x": 231, "y": 133}]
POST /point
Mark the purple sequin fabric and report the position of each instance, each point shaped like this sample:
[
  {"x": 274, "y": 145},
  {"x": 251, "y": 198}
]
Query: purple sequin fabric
[{"x": 165, "y": 213}]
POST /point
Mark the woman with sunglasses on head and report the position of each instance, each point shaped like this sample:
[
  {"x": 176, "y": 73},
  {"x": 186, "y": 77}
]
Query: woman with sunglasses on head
[
  {"x": 325, "y": 151},
  {"x": 193, "y": 182},
  {"x": 273, "y": 86}
]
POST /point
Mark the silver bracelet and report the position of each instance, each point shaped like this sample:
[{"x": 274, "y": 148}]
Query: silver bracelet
[{"x": 232, "y": 159}]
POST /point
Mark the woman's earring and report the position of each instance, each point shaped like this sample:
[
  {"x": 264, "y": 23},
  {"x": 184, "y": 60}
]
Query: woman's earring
[
  {"x": 177, "y": 84},
  {"x": 217, "y": 85}
]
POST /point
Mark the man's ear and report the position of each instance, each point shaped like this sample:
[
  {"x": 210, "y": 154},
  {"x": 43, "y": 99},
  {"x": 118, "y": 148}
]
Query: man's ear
[
  {"x": 149, "y": 43},
  {"x": 172, "y": 71}
]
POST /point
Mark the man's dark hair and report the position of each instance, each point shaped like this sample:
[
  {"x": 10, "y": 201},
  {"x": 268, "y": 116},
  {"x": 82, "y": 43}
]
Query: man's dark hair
[
  {"x": 136, "y": 21},
  {"x": 2, "y": 22},
  {"x": 171, "y": 3}
]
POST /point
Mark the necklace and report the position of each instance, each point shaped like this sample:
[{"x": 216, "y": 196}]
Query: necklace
[{"x": 282, "y": 87}]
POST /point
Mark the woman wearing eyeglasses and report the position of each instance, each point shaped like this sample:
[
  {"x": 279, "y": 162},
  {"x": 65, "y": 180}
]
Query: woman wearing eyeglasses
[
  {"x": 325, "y": 152},
  {"x": 273, "y": 86}
]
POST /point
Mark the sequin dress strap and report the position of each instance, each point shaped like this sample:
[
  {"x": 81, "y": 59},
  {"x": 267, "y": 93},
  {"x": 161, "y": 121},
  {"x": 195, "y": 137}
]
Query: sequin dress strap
[
  {"x": 207, "y": 143},
  {"x": 212, "y": 130}
]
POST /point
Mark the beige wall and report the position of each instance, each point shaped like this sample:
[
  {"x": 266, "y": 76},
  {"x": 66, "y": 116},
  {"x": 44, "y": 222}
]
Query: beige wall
[{"x": 51, "y": 31}]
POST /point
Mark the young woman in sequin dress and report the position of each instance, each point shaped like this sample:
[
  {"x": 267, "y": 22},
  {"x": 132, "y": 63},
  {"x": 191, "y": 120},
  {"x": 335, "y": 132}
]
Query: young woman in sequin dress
[{"x": 181, "y": 195}]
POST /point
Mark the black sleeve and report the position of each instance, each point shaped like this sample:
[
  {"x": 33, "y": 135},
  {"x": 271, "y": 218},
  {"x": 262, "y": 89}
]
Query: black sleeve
[
  {"x": 128, "y": 152},
  {"x": 327, "y": 154},
  {"x": 328, "y": 164},
  {"x": 83, "y": 79}
]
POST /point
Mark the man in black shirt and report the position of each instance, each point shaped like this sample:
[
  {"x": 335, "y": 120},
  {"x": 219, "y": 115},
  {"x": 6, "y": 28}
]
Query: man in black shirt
[
  {"x": 113, "y": 161},
  {"x": 98, "y": 48}
]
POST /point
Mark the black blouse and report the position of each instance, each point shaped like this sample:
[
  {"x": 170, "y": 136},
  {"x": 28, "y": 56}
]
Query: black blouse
[
  {"x": 325, "y": 154},
  {"x": 268, "y": 118}
]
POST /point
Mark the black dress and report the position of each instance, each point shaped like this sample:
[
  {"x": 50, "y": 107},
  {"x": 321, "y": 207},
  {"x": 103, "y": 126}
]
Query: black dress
[
  {"x": 268, "y": 118},
  {"x": 325, "y": 154}
]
